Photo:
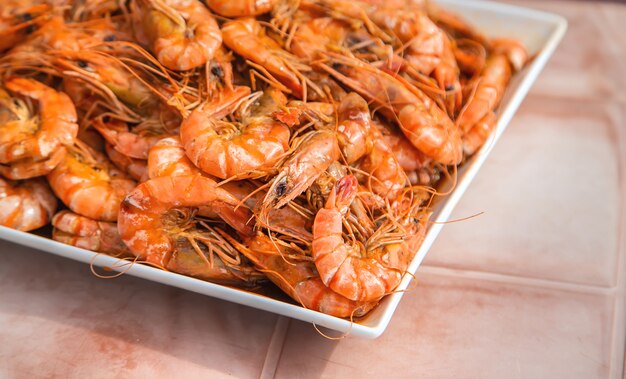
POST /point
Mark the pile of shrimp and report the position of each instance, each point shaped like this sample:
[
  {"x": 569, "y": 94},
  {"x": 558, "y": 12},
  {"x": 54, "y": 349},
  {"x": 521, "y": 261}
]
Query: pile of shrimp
[{"x": 298, "y": 142}]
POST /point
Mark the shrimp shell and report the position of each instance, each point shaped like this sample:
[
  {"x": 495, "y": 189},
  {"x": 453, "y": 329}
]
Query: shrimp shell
[{"x": 26, "y": 205}]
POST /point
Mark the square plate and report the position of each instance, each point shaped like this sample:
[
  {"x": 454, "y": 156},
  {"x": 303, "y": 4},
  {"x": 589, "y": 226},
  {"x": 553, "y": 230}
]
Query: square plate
[{"x": 541, "y": 32}]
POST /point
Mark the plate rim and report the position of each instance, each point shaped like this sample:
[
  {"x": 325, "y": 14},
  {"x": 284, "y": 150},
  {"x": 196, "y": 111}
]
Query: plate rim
[{"x": 390, "y": 302}]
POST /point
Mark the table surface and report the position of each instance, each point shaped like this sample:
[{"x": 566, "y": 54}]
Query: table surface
[{"x": 533, "y": 288}]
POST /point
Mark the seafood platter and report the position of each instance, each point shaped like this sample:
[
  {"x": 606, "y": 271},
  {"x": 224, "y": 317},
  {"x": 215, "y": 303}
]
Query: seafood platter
[{"x": 296, "y": 156}]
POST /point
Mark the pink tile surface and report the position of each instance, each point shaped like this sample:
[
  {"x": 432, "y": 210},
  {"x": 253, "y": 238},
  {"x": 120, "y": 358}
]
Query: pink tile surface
[
  {"x": 610, "y": 16},
  {"x": 551, "y": 195},
  {"x": 58, "y": 320},
  {"x": 589, "y": 61},
  {"x": 455, "y": 327}
]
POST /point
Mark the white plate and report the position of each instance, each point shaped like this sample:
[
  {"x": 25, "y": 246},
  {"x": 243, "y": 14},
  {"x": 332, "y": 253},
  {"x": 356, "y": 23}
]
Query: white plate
[{"x": 541, "y": 32}]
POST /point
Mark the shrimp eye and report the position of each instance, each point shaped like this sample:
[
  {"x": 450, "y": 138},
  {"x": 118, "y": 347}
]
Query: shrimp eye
[
  {"x": 336, "y": 66},
  {"x": 449, "y": 87},
  {"x": 25, "y": 17},
  {"x": 217, "y": 71},
  {"x": 82, "y": 64},
  {"x": 109, "y": 38},
  {"x": 281, "y": 188}
]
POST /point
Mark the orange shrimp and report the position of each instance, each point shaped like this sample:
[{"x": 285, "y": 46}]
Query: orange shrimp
[
  {"x": 470, "y": 56},
  {"x": 408, "y": 23},
  {"x": 318, "y": 35},
  {"x": 80, "y": 231},
  {"x": 94, "y": 9},
  {"x": 298, "y": 278},
  {"x": 225, "y": 150},
  {"x": 56, "y": 34},
  {"x": 26, "y": 205},
  {"x": 447, "y": 74},
  {"x": 241, "y": 8},
  {"x": 427, "y": 126},
  {"x": 156, "y": 221},
  {"x": 167, "y": 158},
  {"x": 17, "y": 20},
  {"x": 39, "y": 136},
  {"x": 315, "y": 152},
  {"x": 360, "y": 272},
  {"x": 489, "y": 89},
  {"x": 109, "y": 78},
  {"x": 357, "y": 139},
  {"x": 354, "y": 132},
  {"x": 478, "y": 134},
  {"x": 422, "y": 47},
  {"x": 183, "y": 34},
  {"x": 88, "y": 184},
  {"x": 32, "y": 168},
  {"x": 286, "y": 221},
  {"x": 419, "y": 169},
  {"x": 513, "y": 49},
  {"x": 246, "y": 37},
  {"x": 133, "y": 144},
  {"x": 385, "y": 176},
  {"x": 137, "y": 169}
]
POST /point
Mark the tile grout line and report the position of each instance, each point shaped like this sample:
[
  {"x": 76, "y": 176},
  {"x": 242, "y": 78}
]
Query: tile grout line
[
  {"x": 618, "y": 325},
  {"x": 275, "y": 348},
  {"x": 517, "y": 280}
]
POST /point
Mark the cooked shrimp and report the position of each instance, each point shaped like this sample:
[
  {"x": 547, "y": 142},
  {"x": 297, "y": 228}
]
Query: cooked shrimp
[
  {"x": 225, "y": 150},
  {"x": 57, "y": 34},
  {"x": 94, "y": 9},
  {"x": 423, "y": 42},
  {"x": 298, "y": 278},
  {"x": 36, "y": 137},
  {"x": 357, "y": 139},
  {"x": 26, "y": 205},
  {"x": 286, "y": 221},
  {"x": 156, "y": 221},
  {"x": 89, "y": 184},
  {"x": 137, "y": 169},
  {"x": 219, "y": 74},
  {"x": 167, "y": 158},
  {"x": 420, "y": 119},
  {"x": 514, "y": 50},
  {"x": 110, "y": 79},
  {"x": 17, "y": 20},
  {"x": 470, "y": 56},
  {"x": 359, "y": 272},
  {"x": 489, "y": 88},
  {"x": 241, "y": 8},
  {"x": 32, "y": 168},
  {"x": 381, "y": 173},
  {"x": 447, "y": 75},
  {"x": 80, "y": 231},
  {"x": 354, "y": 130},
  {"x": 318, "y": 35},
  {"x": 315, "y": 152},
  {"x": 133, "y": 144},
  {"x": 479, "y": 133},
  {"x": 247, "y": 38},
  {"x": 183, "y": 34},
  {"x": 420, "y": 169}
]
